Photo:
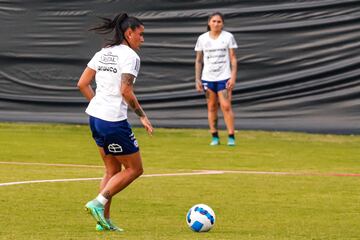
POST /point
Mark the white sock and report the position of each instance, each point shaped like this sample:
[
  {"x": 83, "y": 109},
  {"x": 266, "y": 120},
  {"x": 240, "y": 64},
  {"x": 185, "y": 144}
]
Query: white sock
[{"x": 101, "y": 199}]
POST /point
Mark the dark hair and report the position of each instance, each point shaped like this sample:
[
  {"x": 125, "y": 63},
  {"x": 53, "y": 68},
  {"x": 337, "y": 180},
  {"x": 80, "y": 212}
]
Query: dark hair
[
  {"x": 120, "y": 23},
  {"x": 215, "y": 14}
]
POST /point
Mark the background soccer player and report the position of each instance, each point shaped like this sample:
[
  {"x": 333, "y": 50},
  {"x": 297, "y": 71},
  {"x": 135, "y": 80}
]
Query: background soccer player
[{"x": 215, "y": 74}]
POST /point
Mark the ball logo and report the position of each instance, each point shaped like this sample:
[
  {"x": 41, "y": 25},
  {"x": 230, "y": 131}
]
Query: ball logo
[
  {"x": 200, "y": 218},
  {"x": 115, "y": 148}
]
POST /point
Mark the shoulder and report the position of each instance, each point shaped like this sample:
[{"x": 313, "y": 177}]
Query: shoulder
[
  {"x": 227, "y": 34},
  {"x": 203, "y": 36},
  {"x": 128, "y": 51},
  {"x": 124, "y": 52}
]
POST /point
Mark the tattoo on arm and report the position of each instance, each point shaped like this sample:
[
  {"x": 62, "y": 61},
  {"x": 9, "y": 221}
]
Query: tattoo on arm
[
  {"x": 139, "y": 112},
  {"x": 132, "y": 104},
  {"x": 127, "y": 79}
]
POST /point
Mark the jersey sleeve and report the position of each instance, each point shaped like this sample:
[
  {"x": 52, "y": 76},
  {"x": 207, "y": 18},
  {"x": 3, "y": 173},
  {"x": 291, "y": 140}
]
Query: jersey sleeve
[
  {"x": 232, "y": 43},
  {"x": 93, "y": 62},
  {"x": 198, "y": 46},
  {"x": 131, "y": 65}
]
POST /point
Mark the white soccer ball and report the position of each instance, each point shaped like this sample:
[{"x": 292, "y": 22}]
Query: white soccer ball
[{"x": 200, "y": 218}]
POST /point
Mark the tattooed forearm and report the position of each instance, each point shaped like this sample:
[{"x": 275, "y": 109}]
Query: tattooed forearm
[
  {"x": 139, "y": 112},
  {"x": 135, "y": 106},
  {"x": 132, "y": 104},
  {"x": 127, "y": 81}
]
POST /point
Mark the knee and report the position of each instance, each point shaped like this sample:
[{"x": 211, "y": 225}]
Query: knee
[
  {"x": 109, "y": 173},
  {"x": 137, "y": 172},
  {"x": 212, "y": 108},
  {"x": 226, "y": 108}
]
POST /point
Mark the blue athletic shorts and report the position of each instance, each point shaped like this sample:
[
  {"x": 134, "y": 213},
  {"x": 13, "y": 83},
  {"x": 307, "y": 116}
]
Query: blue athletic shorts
[
  {"x": 116, "y": 138},
  {"x": 214, "y": 86}
]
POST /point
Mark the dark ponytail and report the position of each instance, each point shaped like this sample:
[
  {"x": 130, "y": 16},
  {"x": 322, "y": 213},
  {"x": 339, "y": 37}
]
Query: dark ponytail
[
  {"x": 215, "y": 14},
  {"x": 120, "y": 23}
]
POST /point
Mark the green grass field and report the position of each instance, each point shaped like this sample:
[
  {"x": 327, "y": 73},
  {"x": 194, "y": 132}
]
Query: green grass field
[{"x": 313, "y": 203}]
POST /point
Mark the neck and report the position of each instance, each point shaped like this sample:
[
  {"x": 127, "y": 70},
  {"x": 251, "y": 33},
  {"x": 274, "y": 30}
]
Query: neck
[
  {"x": 125, "y": 42},
  {"x": 214, "y": 33}
]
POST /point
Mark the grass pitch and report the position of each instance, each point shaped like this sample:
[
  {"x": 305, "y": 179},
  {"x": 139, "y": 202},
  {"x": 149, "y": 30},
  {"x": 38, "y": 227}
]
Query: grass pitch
[{"x": 312, "y": 204}]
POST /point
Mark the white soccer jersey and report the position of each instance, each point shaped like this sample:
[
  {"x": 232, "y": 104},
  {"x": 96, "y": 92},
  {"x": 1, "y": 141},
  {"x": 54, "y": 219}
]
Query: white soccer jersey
[
  {"x": 109, "y": 63},
  {"x": 216, "y": 60}
]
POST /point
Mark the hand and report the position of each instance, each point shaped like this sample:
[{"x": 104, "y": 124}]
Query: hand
[
  {"x": 199, "y": 86},
  {"x": 230, "y": 84},
  {"x": 147, "y": 125}
]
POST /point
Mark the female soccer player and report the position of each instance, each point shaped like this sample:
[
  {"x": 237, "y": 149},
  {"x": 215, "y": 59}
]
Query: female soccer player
[
  {"x": 215, "y": 52},
  {"x": 114, "y": 68}
]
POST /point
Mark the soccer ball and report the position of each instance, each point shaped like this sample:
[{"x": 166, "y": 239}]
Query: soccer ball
[{"x": 200, "y": 218}]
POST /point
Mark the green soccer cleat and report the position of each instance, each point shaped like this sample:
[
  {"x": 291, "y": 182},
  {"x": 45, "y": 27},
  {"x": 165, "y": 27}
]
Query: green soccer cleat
[
  {"x": 113, "y": 227},
  {"x": 215, "y": 141},
  {"x": 97, "y": 211},
  {"x": 99, "y": 227},
  {"x": 231, "y": 141}
]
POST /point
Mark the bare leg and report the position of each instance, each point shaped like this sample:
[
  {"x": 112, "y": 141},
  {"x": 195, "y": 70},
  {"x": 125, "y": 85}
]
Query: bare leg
[
  {"x": 212, "y": 106},
  {"x": 119, "y": 181},
  {"x": 225, "y": 104},
  {"x": 112, "y": 166}
]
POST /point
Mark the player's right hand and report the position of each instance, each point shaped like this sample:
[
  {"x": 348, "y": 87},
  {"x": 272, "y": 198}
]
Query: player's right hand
[{"x": 199, "y": 86}]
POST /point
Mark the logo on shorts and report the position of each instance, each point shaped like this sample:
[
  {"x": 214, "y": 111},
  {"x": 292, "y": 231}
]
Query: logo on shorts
[
  {"x": 115, "y": 148},
  {"x": 136, "y": 144}
]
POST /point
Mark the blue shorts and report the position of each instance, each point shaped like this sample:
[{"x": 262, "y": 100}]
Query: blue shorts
[
  {"x": 116, "y": 138},
  {"x": 214, "y": 86}
]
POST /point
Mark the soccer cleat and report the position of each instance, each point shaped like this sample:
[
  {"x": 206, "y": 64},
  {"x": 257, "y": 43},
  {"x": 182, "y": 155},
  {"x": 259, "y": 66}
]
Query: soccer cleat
[
  {"x": 215, "y": 141},
  {"x": 97, "y": 211},
  {"x": 113, "y": 227},
  {"x": 99, "y": 227},
  {"x": 231, "y": 141}
]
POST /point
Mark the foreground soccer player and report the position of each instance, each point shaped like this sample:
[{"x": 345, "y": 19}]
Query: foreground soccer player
[{"x": 114, "y": 68}]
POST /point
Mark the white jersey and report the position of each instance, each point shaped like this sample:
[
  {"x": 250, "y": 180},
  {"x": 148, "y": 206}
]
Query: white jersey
[
  {"x": 216, "y": 59},
  {"x": 109, "y": 63}
]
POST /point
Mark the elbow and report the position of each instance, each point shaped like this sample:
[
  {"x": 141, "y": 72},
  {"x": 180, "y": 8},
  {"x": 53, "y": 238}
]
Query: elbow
[
  {"x": 79, "y": 86},
  {"x": 124, "y": 94}
]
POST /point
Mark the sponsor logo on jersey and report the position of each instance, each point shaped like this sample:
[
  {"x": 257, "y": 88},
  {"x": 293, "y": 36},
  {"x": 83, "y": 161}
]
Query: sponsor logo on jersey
[
  {"x": 108, "y": 58},
  {"x": 107, "y": 69}
]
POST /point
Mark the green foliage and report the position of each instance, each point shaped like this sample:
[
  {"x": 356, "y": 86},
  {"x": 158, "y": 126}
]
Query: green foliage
[{"x": 247, "y": 206}]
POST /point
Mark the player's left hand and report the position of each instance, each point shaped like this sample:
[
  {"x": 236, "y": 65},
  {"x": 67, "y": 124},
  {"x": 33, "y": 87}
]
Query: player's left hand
[{"x": 230, "y": 84}]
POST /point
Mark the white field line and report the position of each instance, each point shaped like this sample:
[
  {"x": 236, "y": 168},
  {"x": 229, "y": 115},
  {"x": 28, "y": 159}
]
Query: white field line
[
  {"x": 194, "y": 172},
  {"x": 91, "y": 179},
  {"x": 51, "y": 164}
]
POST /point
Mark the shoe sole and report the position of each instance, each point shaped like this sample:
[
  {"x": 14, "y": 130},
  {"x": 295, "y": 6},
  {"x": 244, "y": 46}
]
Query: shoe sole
[{"x": 112, "y": 229}]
